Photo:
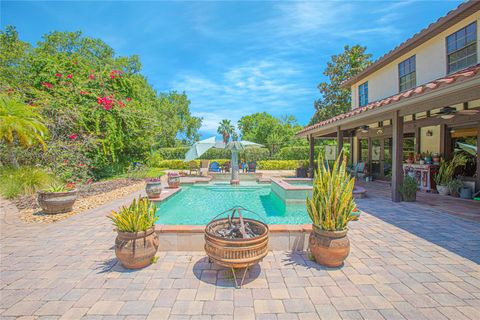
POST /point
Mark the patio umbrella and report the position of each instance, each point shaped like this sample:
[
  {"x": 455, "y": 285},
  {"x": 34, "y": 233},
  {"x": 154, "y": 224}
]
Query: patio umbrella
[{"x": 199, "y": 148}]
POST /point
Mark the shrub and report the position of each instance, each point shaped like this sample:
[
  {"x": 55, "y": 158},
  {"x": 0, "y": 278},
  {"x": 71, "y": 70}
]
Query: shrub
[
  {"x": 408, "y": 189},
  {"x": 139, "y": 216},
  {"x": 23, "y": 181},
  {"x": 296, "y": 153},
  {"x": 332, "y": 203},
  {"x": 178, "y": 153},
  {"x": 277, "y": 164},
  {"x": 447, "y": 169}
]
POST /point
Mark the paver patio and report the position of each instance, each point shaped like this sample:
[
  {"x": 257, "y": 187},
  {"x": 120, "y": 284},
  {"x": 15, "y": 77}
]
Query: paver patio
[{"x": 407, "y": 261}]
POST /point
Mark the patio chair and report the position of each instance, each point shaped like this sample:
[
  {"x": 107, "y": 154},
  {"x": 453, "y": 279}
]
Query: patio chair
[
  {"x": 359, "y": 170},
  {"x": 214, "y": 167},
  {"x": 193, "y": 167},
  {"x": 251, "y": 166},
  {"x": 226, "y": 166}
]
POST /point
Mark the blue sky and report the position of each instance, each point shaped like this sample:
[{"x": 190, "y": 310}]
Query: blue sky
[{"x": 232, "y": 58}]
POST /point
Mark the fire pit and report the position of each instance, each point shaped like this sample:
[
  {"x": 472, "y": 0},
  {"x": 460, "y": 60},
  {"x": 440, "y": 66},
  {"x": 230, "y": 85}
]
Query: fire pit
[{"x": 236, "y": 242}]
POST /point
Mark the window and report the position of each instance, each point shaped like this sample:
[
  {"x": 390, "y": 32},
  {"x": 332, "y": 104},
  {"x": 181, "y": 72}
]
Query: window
[
  {"x": 363, "y": 94},
  {"x": 406, "y": 74},
  {"x": 462, "y": 48}
]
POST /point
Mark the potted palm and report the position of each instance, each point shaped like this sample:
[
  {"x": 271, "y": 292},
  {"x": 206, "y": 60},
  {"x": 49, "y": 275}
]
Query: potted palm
[
  {"x": 136, "y": 243},
  {"x": 446, "y": 171},
  {"x": 58, "y": 198},
  {"x": 330, "y": 209},
  {"x": 153, "y": 188},
  {"x": 408, "y": 189}
]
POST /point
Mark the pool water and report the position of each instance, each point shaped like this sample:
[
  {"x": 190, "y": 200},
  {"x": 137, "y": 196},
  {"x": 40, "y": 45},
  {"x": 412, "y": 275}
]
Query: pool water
[{"x": 198, "y": 205}]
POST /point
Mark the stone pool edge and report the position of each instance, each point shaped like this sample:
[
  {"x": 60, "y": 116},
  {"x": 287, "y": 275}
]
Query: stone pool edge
[{"x": 191, "y": 237}]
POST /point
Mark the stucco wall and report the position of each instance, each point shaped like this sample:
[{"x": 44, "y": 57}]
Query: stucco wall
[
  {"x": 430, "y": 65},
  {"x": 430, "y": 143}
]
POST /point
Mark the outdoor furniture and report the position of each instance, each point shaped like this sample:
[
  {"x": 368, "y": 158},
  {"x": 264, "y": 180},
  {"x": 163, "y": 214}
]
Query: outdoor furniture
[
  {"x": 359, "y": 170},
  {"x": 193, "y": 167},
  {"x": 226, "y": 166},
  {"x": 214, "y": 167},
  {"x": 251, "y": 166}
]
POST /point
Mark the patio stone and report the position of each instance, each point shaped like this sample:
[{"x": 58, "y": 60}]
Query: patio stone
[{"x": 106, "y": 307}]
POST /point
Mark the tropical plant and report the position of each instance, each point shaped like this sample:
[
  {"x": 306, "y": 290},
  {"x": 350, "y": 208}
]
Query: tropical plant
[
  {"x": 332, "y": 201},
  {"x": 225, "y": 128},
  {"x": 138, "y": 216},
  {"x": 22, "y": 181},
  {"x": 447, "y": 169},
  {"x": 454, "y": 185},
  {"x": 60, "y": 187},
  {"x": 20, "y": 123},
  {"x": 408, "y": 188}
]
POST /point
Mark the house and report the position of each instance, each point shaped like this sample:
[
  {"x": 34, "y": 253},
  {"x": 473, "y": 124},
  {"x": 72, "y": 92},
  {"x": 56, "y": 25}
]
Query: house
[{"x": 421, "y": 97}]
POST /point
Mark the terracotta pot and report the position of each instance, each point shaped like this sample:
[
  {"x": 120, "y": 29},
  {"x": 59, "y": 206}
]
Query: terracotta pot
[
  {"x": 329, "y": 248},
  {"x": 442, "y": 190},
  {"x": 56, "y": 202},
  {"x": 153, "y": 189},
  {"x": 135, "y": 250}
]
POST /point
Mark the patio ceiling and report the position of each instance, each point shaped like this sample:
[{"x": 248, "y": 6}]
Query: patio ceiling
[{"x": 455, "y": 88}]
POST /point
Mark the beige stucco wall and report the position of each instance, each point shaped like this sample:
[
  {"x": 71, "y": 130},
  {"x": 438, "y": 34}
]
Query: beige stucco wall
[
  {"x": 430, "y": 64},
  {"x": 432, "y": 143}
]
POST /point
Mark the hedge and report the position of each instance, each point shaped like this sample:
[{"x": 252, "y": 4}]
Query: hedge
[
  {"x": 261, "y": 165},
  {"x": 278, "y": 164},
  {"x": 297, "y": 153},
  {"x": 179, "y": 154}
]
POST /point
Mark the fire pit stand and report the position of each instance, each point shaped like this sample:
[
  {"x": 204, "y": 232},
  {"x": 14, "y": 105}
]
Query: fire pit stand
[{"x": 236, "y": 242}]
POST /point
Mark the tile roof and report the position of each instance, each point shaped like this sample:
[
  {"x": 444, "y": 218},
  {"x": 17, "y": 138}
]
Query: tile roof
[{"x": 427, "y": 87}]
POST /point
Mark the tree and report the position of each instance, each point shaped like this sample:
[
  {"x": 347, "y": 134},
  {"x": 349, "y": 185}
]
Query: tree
[
  {"x": 20, "y": 123},
  {"x": 225, "y": 128},
  {"x": 336, "y": 100}
]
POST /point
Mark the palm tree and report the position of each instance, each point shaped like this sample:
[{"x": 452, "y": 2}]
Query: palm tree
[
  {"x": 20, "y": 123},
  {"x": 225, "y": 128}
]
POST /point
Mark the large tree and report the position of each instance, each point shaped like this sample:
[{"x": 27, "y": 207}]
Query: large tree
[
  {"x": 225, "y": 128},
  {"x": 336, "y": 100}
]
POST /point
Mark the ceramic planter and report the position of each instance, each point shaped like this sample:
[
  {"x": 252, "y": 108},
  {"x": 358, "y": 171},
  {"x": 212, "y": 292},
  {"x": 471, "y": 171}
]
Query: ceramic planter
[
  {"x": 57, "y": 202},
  {"x": 135, "y": 250},
  {"x": 173, "y": 181},
  {"x": 443, "y": 190},
  {"x": 329, "y": 248},
  {"x": 153, "y": 189}
]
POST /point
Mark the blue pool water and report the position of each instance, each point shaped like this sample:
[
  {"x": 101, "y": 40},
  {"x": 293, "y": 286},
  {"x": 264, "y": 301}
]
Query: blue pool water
[{"x": 199, "y": 204}]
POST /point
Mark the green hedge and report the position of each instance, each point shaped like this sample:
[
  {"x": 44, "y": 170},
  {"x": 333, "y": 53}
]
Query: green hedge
[
  {"x": 212, "y": 154},
  {"x": 277, "y": 164},
  {"x": 181, "y": 165}
]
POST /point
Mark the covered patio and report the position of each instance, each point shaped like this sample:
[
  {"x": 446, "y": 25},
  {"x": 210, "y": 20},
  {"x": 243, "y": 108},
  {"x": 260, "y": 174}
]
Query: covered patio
[{"x": 432, "y": 117}]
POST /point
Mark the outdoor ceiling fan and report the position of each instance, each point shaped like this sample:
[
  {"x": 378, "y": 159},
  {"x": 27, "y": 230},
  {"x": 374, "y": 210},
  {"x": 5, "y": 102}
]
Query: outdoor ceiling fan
[{"x": 449, "y": 112}]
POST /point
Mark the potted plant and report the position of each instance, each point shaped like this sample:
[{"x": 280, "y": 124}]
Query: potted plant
[
  {"x": 58, "y": 198},
  {"x": 410, "y": 158},
  {"x": 173, "y": 180},
  {"x": 454, "y": 187},
  {"x": 428, "y": 158},
  {"x": 330, "y": 209},
  {"x": 446, "y": 172},
  {"x": 408, "y": 189},
  {"x": 436, "y": 158},
  {"x": 136, "y": 243},
  {"x": 153, "y": 188}
]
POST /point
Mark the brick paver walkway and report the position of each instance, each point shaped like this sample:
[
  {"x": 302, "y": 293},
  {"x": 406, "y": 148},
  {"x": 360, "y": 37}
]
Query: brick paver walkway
[{"x": 406, "y": 262}]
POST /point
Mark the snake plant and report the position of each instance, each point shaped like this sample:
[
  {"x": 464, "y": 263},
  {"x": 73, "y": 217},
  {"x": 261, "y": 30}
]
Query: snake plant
[
  {"x": 138, "y": 216},
  {"x": 332, "y": 201},
  {"x": 447, "y": 169}
]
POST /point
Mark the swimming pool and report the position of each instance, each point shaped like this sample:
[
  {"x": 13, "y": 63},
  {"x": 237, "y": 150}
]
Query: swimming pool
[{"x": 198, "y": 204}]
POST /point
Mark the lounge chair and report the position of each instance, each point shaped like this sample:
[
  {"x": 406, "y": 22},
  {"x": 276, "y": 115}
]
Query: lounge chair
[
  {"x": 193, "y": 167},
  {"x": 251, "y": 166},
  {"x": 359, "y": 170},
  {"x": 226, "y": 166},
  {"x": 214, "y": 167}
]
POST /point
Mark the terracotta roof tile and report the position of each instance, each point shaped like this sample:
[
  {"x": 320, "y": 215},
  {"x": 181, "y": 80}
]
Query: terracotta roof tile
[{"x": 466, "y": 73}]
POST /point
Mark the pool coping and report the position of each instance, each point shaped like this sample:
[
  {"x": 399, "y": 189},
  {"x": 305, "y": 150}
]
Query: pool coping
[{"x": 193, "y": 228}]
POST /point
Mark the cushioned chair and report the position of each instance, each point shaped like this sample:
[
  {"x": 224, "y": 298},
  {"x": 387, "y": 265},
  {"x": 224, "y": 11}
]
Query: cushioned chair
[
  {"x": 226, "y": 166},
  {"x": 252, "y": 166},
  {"x": 215, "y": 167}
]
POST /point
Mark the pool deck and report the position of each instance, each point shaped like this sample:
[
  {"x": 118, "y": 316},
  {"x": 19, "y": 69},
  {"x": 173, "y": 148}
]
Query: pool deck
[{"x": 407, "y": 261}]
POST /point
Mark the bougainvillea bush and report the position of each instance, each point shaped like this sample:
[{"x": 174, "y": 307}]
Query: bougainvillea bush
[{"x": 101, "y": 113}]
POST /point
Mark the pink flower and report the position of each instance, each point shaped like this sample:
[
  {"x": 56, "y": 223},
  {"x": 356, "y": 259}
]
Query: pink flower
[
  {"x": 70, "y": 76},
  {"x": 129, "y": 99},
  {"x": 72, "y": 136},
  {"x": 106, "y": 102},
  {"x": 91, "y": 76},
  {"x": 121, "y": 103},
  {"x": 47, "y": 85},
  {"x": 58, "y": 75}
]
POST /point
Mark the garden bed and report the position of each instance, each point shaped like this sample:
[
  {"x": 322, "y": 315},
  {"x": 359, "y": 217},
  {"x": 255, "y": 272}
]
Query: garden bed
[{"x": 89, "y": 197}]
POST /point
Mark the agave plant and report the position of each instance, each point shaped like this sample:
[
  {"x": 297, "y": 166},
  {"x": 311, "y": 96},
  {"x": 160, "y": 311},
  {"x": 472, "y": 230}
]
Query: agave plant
[
  {"x": 138, "y": 216},
  {"x": 332, "y": 200},
  {"x": 447, "y": 169}
]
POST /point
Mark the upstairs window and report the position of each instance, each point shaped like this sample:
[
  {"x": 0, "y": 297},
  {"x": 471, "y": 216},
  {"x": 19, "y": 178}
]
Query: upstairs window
[
  {"x": 407, "y": 77},
  {"x": 363, "y": 94},
  {"x": 462, "y": 48}
]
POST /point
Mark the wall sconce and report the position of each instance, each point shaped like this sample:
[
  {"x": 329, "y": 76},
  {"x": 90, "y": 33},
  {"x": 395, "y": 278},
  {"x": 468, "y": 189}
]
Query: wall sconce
[
  {"x": 380, "y": 131},
  {"x": 429, "y": 133}
]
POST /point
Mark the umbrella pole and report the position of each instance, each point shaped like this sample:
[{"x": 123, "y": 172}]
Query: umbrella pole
[{"x": 234, "y": 161}]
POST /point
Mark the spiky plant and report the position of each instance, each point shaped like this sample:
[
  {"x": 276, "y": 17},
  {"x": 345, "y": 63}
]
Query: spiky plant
[
  {"x": 138, "y": 216},
  {"x": 447, "y": 169},
  {"x": 332, "y": 200}
]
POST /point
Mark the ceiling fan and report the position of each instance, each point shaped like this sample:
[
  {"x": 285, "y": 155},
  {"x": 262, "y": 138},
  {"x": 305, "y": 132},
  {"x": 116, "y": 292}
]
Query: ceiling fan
[{"x": 449, "y": 112}]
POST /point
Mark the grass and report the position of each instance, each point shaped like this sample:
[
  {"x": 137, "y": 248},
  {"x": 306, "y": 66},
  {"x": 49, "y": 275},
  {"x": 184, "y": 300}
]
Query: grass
[{"x": 23, "y": 181}]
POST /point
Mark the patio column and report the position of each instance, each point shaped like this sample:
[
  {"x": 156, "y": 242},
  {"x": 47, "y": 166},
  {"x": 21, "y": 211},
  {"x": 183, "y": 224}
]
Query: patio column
[
  {"x": 369, "y": 140},
  {"x": 397, "y": 155},
  {"x": 311, "y": 159},
  {"x": 445, "y": 142},
  {"x": 417, "y": 140},
  {"x": 477, "y": 182},
  {"x": 339, "y": 141}
]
